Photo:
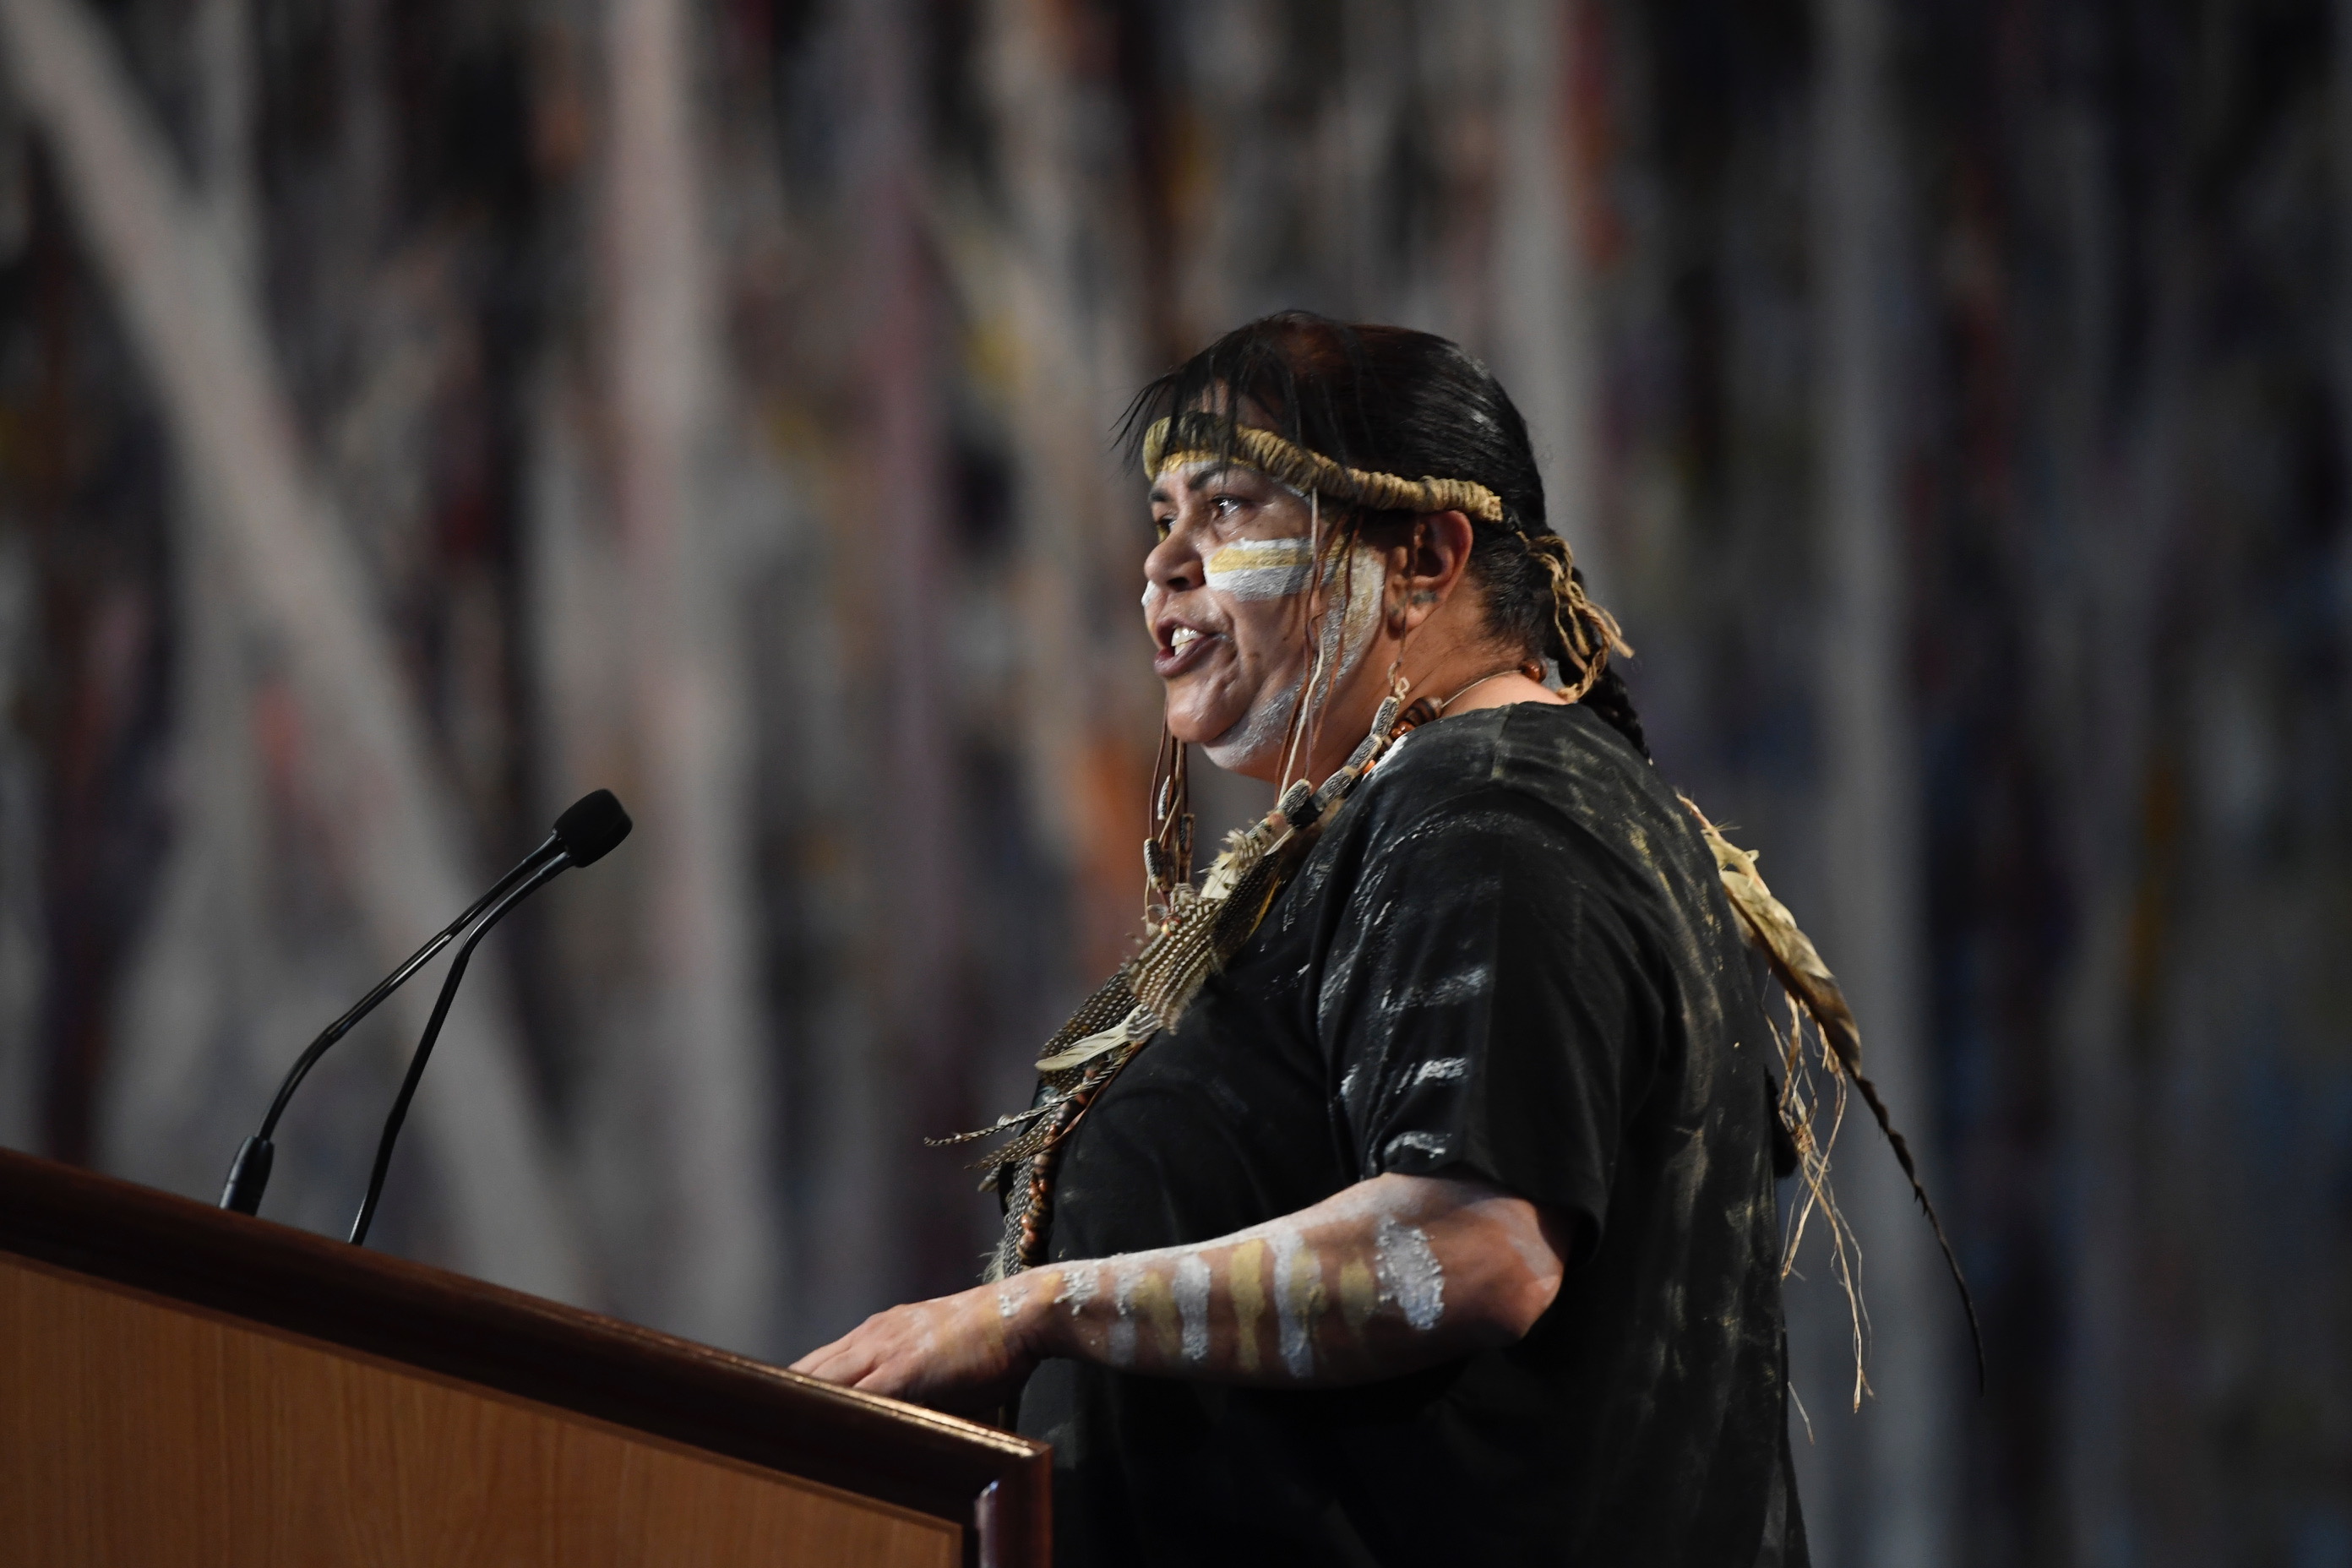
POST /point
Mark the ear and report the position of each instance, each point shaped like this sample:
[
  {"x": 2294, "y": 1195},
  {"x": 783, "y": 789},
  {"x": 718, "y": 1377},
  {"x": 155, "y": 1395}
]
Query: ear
[{"x": 1426, "y": 568}]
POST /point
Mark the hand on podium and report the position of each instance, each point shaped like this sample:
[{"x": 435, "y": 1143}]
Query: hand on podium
[
  {"x": 968, "y": 1354},
  {"x": 1384, "y": 1278}
]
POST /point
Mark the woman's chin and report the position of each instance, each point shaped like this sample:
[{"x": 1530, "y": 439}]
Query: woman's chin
[
  {"x": 1251, "y": 747},
  {"x": 1196, "y": 730}
]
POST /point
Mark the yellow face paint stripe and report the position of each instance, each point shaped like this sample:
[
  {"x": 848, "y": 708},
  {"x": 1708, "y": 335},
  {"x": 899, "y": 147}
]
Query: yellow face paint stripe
[{"x": 1261, "y": 568}]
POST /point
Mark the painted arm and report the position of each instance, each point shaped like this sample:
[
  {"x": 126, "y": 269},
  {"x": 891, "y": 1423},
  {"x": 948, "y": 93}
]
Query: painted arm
[{"x": 1389, "y": 1276}]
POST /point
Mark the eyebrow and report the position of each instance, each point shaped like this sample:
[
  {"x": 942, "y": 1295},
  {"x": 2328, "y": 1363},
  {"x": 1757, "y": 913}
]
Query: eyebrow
[{"x": 1216, "y": 469}]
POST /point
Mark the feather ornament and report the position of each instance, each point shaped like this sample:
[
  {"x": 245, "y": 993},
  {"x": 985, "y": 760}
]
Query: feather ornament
[
  {"x": 1767, "y": 926},
  {"x": 1194, "y": 933}
]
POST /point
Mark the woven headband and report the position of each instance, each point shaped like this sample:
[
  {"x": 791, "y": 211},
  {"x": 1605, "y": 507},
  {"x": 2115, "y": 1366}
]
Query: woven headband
[{"x": 1301, "y": 470}]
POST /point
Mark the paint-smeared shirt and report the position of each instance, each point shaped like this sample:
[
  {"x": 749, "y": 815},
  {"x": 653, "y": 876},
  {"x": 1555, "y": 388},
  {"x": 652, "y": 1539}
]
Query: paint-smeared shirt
[{"x": 1509, "y": 959}]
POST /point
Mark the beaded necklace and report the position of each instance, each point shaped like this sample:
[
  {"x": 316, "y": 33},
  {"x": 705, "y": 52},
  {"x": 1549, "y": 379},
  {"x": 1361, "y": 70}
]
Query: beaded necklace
[{"x": 1194, "y": 933}]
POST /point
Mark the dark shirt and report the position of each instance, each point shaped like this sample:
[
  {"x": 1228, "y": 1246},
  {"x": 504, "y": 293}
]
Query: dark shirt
[{"x": 1508, "y": 959}]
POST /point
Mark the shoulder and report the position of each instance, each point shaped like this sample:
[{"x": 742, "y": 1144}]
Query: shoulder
[
  {"x": 1557, "y": 775},
  {"x": 1562, "y": 755}
]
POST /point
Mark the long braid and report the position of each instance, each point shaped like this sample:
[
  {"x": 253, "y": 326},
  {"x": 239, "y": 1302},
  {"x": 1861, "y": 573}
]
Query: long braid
[
  {"x": 1582, "y": 634},
  {"x": 1611, "y": 698},
  {"x": 1536, "y": 597},
  {"x": 1605, "y": 691}
]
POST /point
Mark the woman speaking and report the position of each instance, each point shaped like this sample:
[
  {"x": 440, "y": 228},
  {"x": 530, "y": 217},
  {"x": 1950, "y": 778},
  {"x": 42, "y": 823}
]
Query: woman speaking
[{"x": 1409, "y": 1197}]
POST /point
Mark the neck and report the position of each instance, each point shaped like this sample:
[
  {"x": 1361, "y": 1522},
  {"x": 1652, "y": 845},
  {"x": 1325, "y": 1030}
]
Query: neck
[
  {"x": 1462, "y": 682},
  {"x": 1465, "y": 673},
  {"x": 1498, "y": 690}
]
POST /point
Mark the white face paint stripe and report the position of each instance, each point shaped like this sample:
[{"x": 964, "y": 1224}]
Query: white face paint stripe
[
  {"x": 1261, "y": 568},
  {"x": 1258, "y": 730},
  {"x": 1268, "y": 720}
]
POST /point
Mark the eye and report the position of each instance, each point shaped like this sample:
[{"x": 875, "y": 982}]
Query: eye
[
  {"x": 1162, "y": 524},
  {"x": 1226, "y": 506}
]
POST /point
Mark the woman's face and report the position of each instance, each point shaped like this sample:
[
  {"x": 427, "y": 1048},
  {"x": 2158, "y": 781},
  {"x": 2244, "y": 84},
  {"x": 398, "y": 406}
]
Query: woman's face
[{"x": 1225, "y": 597}]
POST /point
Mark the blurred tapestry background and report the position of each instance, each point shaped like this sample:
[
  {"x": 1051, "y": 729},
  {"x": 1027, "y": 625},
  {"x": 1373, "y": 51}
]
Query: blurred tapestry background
[{"x": 414, "y": 414}]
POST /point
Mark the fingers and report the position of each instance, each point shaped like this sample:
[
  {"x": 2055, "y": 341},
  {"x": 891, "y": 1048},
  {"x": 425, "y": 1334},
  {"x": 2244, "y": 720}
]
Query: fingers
[
  {"x": 889, "y": 1379},
  {"x": 879, "y": 1342},
  {"x": 923, "y": 1351},
  {"x": 871, "y": 1369},
  {"x": 843, "y": 1362},
  {"x": 808, "y": 1364}
]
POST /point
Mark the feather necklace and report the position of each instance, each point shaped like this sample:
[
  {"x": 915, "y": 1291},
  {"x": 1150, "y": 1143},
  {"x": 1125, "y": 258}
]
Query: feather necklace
[{"x": 1198, "y": 931}]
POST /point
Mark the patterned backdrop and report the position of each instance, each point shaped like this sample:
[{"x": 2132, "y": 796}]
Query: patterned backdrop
[{"x": 414, "y": 414}]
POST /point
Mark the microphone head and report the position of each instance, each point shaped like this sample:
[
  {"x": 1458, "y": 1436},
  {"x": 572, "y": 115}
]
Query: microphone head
[{"x": 591, "y": 826}]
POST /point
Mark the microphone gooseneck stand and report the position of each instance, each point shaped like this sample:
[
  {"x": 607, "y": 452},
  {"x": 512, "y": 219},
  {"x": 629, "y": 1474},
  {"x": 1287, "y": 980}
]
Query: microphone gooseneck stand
[
  {"x": 399, "y": 1113},
  {"x": 248, "y": 1174},
  {"x": 584, "y": 833}
]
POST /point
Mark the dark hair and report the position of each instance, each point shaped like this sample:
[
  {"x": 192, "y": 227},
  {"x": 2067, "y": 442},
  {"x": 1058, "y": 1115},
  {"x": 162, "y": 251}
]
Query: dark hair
[{"x": 1395, "y": 401}]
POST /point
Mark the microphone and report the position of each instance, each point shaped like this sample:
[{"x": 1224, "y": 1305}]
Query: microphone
[{"x": 584, "y": 833}]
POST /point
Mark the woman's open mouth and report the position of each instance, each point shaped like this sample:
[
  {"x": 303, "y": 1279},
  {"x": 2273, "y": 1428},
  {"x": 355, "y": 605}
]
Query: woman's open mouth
[{"x": 1185, "y": 646}]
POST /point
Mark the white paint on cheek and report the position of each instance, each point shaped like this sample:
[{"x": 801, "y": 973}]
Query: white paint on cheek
[
  {"x": 1348, "y": 634},
  {"x": 1260, "y": 568},
  {"x": 1297, "y": 1349},
  {"x": 1366, "y": 585},
  {"x": 1122, "y": 1328},
  {"x": 1078, "y": 1283},
  {"x": 1409, "y": 1272},
  {"x": 1193, "y": 1304},
  {"x": 1258, "y": 731},
  {"x": 1347, "y": 637}
]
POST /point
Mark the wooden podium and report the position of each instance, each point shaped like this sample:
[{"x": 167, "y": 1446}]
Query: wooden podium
[{"x": 182, "y": 1387}]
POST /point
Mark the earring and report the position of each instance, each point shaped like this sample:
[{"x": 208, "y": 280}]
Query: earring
[{"x": 1168, "y": 853}]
